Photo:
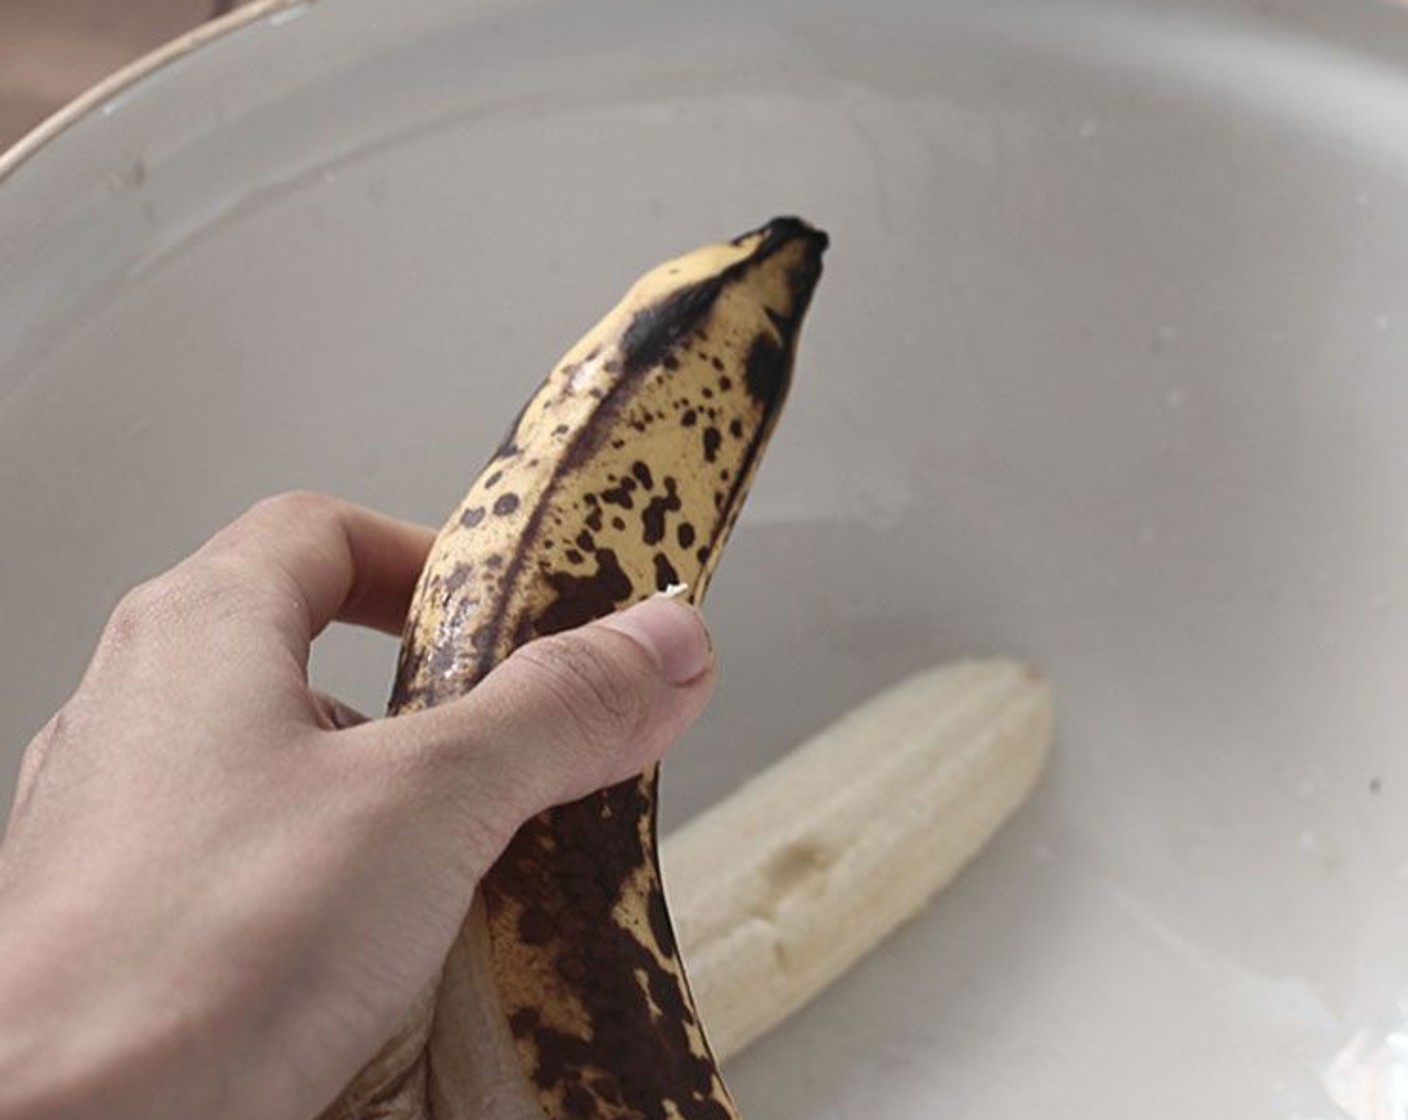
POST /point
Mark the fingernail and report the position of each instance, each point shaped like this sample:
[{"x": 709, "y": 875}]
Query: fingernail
[{"x": 674, "y": 634}]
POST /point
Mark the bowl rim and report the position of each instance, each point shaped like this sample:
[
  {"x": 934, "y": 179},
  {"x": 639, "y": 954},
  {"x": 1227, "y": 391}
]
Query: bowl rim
[{"x": 84, "y": 104}]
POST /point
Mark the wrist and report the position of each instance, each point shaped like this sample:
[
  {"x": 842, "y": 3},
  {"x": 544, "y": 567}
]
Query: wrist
[{"x": 77, "y": 1037}]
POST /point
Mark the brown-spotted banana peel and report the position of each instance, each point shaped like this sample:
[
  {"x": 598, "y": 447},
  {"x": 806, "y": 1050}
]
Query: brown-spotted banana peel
[{"x": 564, "y": 996}]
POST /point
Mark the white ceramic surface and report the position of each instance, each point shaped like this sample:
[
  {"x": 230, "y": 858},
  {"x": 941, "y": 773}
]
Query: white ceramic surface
[{"x": 1107, "y": 370}]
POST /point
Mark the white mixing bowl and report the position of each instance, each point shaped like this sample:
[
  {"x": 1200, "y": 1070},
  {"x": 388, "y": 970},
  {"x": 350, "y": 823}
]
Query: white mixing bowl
[{"x": 1108, "y": 370}]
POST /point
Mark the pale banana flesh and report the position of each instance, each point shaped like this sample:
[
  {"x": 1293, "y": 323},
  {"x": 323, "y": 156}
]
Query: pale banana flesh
[
  {"x": 564, "y": 996},
  {"x": 781, "y": 887}
]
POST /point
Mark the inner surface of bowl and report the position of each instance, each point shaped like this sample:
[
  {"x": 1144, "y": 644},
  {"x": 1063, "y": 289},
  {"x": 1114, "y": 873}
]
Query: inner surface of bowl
[{"x": 1106, "y": 371}]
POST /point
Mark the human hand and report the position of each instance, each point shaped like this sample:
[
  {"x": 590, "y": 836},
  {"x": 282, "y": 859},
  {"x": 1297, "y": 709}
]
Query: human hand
[{"x": 219, "y": 889}]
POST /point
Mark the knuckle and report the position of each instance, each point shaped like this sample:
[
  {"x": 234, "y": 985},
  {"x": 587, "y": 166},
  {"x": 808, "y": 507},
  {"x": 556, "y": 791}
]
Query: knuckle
[
  {"x": 144, "y": 609},
  {"x": 161, "y": 603},
  {"x": 597, "y": 695},
  {"x": 51, "y": 733},
  {"x": 292, "y": 507}
]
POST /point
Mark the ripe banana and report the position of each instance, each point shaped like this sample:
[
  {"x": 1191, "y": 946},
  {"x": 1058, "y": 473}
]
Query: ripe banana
[
  {"x": 564, "y": 996},
  {"x": 781, "y": 887}
]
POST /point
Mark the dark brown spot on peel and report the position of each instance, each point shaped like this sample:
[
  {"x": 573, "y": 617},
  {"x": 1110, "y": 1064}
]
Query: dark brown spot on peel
[
  {"x": 575, "y": 863},
  {"x": 660, "y": 927},
  {"x": 712, "y": 439},
  {"x": 620, "y": 494},
  {"x": 458, "y": 578},
  {"x": 689, "y": 419},
  {"x": 472, "y": 517},
  {"x": 685, "y": 534},
  {"x": 493, "y": 480},
  {"x": 572, "y": 967},
  {"x": 505, "y": 504},
  {"x": 523, "y": 1022},
  {"x": 618, "y": 523},
  {"x": 535, "y": 927},
  {"x": 642, "y": 474},
  {"x": 735, "y": 429},
  {"x": 665, "y": 574},
  {"x": 656, "y": 330},
  {"x": 766, "y": 371},
  {"x": 605, "y": 1087},
  {"x": 582, "y": 599},
  {"x": 577, "y": 1100},
  {"x": 655, "y": 512}
]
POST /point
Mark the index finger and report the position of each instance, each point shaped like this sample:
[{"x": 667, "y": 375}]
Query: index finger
[{"x": 315, "y": 558}]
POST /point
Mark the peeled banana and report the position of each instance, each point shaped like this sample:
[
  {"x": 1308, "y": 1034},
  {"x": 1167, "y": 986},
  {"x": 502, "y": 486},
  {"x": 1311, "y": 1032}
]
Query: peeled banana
[
  {"x": 564, "y": 996},
  {"x": 782, "y": 886}
]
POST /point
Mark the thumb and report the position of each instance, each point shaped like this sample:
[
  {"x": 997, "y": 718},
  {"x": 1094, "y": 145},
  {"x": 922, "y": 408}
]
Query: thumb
[{"x": 567, "y": 714}]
